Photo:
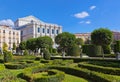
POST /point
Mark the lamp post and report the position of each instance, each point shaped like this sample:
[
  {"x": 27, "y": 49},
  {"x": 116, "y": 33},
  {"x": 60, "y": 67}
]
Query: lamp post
[{"x": 81, "y": 51}]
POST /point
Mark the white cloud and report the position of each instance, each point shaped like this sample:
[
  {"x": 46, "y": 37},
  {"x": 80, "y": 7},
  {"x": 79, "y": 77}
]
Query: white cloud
[
  {"x": 92, "y": 7},
  {"x": 8, "y": 22},
  {"x": 88, "y": 22},
  {"x": 85, "y": 22},
  {"x": 81, "y": 14}
]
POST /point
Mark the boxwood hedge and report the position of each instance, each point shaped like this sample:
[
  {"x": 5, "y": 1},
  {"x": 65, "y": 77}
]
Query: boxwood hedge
[
  {"x": 87, "y": 74},
  {"x": 107, "y": 70},
  {"x": 53, "y": 75}
]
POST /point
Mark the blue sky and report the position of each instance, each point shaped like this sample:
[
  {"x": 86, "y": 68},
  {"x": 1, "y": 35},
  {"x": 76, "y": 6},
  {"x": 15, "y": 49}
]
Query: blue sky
[{"x": 75, "y": 16}]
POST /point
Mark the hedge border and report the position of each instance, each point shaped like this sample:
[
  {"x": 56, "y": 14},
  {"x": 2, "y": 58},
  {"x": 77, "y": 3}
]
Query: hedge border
[
  {"x": 107, "y": 70},
  {"x": 87, "y": 74},
  {"x": 19, "y": 65},
  {"x": 77, "y": 60},
  {"x": 55, "y": 75}
]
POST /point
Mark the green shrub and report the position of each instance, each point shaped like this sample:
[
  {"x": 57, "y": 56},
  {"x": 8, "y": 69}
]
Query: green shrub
[
  {"x": 25, "y": 53},
  {"x": 105, "y": 63},
  {"x": 19, "y": 65},
  {"x": 117, "y": 46},
  {"x": 106, "y": 49},
  {"x": 73, "y": 50},
  {"x": 87, "y": 74},
  {"x": 29, "y": 61},
  {"x": 107, "y": 70},
  {"x": 37, "y": 58},
  {"x": 62, "y": 62},
  {"x": 44, "y": 61},
  {"x": 91, "y": 50},
  {"x": 2, "y": 67},
  {"x": 53, "y": 75},
  {"x": 7, "y": 76},
  {"x": 7, "y": 56},
  {"x": 46, "y": 55}
]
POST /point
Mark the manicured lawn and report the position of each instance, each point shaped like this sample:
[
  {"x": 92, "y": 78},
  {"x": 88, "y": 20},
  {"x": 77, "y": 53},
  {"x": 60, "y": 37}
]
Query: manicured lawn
[{"x": 71, "y": 78}]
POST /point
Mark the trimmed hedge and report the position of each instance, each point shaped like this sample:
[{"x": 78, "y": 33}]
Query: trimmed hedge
[
  {"x": 117, "y": 46},
  {"x": 107, "y": 70},
  {"x": 91, "y": 50},
  {"x": 7, "y": 56},
  {"x": 44, "y": 61},
  {"x": 7, "y": 76},
  {"x": 87, "y": 74},
  {"x": 53, "y": 75},
  {"x": 77, "y": 60},
  {"x": 61, "y": 62},
  {"x": 106, "y": 49},
  {"x": 105, "y": 64},
  {"x": 2, "y": 67},
  {"x": 37, "y": 58},
  {"x": 19, "y": 65}
]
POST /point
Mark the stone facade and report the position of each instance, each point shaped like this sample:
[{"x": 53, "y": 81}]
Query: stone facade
[{"x": 9, "y": 36}]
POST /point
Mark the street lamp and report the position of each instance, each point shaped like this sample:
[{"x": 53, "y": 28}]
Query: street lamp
[{"x": 81, "y": 51}]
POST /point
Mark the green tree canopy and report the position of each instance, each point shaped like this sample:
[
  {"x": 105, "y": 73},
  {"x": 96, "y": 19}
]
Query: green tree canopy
[
  {"x": 22, "y": 45},
  {"x": 102, "y": 36},
  {"x": 79, "y": 41},
  {"x": 31, "y": 44},
  {"x": 44, "y": 42},
  {"x": 14, "y": 46},
  {"x": 5, "y": 47},
  {"x": 65, "y": 40}
]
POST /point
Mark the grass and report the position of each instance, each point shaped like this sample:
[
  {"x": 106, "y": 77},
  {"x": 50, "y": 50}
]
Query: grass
[
  {"x": 37, "y": 75},
  {"x": 71, "y": 78},
  {"x": 16, "y": 72}
]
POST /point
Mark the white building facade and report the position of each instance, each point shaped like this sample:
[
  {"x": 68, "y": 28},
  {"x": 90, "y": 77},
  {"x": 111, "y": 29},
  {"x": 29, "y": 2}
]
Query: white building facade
[
  {"x": 32, "y": 27},
  {"x": 9, "y": 36}
]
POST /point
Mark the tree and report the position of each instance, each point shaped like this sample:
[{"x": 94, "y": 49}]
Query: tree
[
  {"x": 102, "y": 37},
  {"x": 14, "y": 46},
  {"x": 65, "y": 40},
  {"x": 22, "y": 45},
  {"x": 44, "y": 42},
  {"x": 31, "y": 44},
  {"x": 74, "y": 50},
  {"x": 46, "y": 54},
  {"x": 79, "y": 41},
  {"x": 5, "y": 47}
]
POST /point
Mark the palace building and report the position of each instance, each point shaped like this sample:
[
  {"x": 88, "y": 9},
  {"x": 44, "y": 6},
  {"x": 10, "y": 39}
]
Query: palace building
[
  {"x": 9, "y": 36},
  {"x": 32, "y": 27}
]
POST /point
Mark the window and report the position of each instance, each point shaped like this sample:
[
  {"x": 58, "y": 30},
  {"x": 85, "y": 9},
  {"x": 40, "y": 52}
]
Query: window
[
  {"x": 21, "y": 32},
  {"x": 3, "y": 31},
  {"x": 47, "y": 30},
  {"x": 13, "y": 33},
  {"x": 43, "y": 30},
  {"x": 52, "y": 31},
  {"x": 38, "y": 29},
  {"x": 57, "y": 31}
]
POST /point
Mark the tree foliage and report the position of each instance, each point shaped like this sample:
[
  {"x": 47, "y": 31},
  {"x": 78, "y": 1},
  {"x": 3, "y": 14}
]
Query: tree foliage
[
  {"x": 65, "y": 40},
  {"x": 5, "y": 47},
  {"x": 14, "y": 46},
  {"x": 79, "y": 41},
  {"x": 44, "y": 42},
  {"x": 31, "y": 44},
  {"x": 22, "y": 45},
  {"x": 117, "y": 46},
  {"x": 102, "y": 36},
  {"x": 74, "y": 50}
]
